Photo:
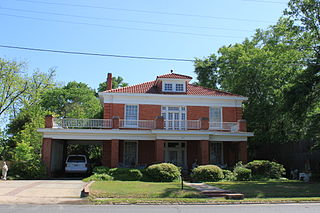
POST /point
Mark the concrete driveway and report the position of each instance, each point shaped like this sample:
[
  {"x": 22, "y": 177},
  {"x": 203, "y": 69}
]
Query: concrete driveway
[{"x": 40, "y": 191}]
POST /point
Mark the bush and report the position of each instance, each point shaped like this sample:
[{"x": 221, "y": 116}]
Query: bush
[
  {"x": 242, "y": 173},
  {"x": 163, "y": 172},
  {"x": 266, "y": 169},
  {"x": 28, "y": 170},
  {"x": 207, "y": 173},
  {"x": 100, "y": 170},
  {"x": 98, "y": 177},
  {"x": 228, "y": 175},
  {"x": 125, "y": 174}
]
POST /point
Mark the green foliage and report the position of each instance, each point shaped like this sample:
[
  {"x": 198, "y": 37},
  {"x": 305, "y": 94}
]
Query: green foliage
[
  {"x": 100, "y": 170},
  {"x": 125, "y": 174},
  {"x": 163, "y": 172},
  {"x": 242, "y": 173},
  {"x": 116, "y": 83},
  {"x": 98, "y": 177},
  {"x": 265, "y": 169},
  {"x": 26, "y": 163},
  {"x": 228, "y": 175},
  {"x": 75, "y": 100},
  {"x": 207, "y": 173}
]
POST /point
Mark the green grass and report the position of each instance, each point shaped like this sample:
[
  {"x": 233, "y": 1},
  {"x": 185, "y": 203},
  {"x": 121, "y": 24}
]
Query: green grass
[
  {"x": 271, "y": 189},
  {"x": 138, "y": 189}
]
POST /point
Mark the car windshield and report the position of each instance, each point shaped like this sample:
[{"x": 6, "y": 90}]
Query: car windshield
[{"x": 77, "y": 159}]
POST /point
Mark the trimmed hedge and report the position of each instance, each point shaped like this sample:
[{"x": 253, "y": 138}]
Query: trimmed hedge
[
  {"x": 262, "y": 169},
  {"x": 242, "y": 173},
  {"x": 207, "y": 173},
  {"x": 100, "y": 170},
  {"x": 126, "y": 174},
  {"x": 163, "y": 172},
  {"x": 98, "y": 177},
  {"x": 228, "y": 175}
]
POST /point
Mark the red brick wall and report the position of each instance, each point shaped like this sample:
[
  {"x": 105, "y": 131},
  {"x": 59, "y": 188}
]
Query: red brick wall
[
  {"x": 149, "y": 112},
  {"x": 231, "y": 114},
  {"x": 196, "y": 112},
  {"x": 111, "y": 110},
  {"x": 46, "y": 153},
  {"x": 145, "y": 152}
]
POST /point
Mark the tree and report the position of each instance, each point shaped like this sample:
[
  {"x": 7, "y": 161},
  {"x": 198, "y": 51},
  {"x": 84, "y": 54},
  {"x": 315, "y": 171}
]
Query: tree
[
  {"x": 75, "y": 100},
  {"x": 116, "y": 83},
  {"x": 18, "y": 89}
]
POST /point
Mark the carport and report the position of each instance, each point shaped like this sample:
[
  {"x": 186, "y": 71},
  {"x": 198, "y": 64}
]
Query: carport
[{"x": 59, "y": 153}]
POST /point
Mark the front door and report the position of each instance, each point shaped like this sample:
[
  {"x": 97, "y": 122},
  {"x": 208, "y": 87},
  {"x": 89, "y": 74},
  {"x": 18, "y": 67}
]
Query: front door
[
  {"x": 174, "y": 117},
  {"x": 175, "y": 153}
]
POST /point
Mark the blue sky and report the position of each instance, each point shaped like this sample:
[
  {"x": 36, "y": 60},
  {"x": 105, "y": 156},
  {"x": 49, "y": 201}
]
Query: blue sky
[{"x": 101, "y": 26}]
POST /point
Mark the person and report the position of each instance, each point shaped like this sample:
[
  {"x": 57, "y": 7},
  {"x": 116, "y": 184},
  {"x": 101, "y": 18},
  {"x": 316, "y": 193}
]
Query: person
[{"x": 4, "y": 171}]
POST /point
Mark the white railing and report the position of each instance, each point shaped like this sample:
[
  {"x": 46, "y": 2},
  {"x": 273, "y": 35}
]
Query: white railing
[
  {"x": 181, "y": 124},
  {"x": 227, "y": 126},
  {"x": 137, "y": 124},
  {"x": 82, "y": 123}
]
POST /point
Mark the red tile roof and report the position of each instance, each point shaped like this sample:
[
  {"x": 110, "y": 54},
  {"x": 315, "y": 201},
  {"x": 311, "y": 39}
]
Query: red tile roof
[
  {"x": 174, "y": 76},
  {"x": 150, "y": 88}
]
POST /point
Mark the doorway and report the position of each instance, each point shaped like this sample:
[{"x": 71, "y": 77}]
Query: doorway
[{"x": 175, "y": 153}]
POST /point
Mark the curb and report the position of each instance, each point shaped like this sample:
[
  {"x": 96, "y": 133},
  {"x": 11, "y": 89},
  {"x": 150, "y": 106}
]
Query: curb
[{"x": 86, "y": 189}]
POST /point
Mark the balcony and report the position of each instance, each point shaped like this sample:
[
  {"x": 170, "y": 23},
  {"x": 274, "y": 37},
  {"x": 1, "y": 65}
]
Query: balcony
[{"x": 158, "y": 123}]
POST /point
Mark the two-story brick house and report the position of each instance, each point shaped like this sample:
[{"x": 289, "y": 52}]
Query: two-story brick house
[{"x": 165, "y": 120}]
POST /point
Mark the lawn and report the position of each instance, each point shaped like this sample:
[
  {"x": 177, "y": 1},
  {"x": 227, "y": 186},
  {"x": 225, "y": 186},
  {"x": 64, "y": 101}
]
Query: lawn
[
  {"x": 271, "y": 189},
  {"x": 138, "y": 189}
]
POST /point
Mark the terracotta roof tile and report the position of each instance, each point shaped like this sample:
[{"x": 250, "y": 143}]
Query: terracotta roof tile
[
  {"x": 175, "y": 76},
  {"x": 150, "y": 88}
]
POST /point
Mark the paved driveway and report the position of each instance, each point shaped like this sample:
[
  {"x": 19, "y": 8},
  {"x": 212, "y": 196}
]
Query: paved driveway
[{"x": 40, "y": 191}]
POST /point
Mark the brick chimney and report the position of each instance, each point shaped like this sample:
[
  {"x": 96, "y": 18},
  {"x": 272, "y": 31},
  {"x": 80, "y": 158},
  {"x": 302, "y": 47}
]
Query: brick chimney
[{"x": 109, "y": 81}]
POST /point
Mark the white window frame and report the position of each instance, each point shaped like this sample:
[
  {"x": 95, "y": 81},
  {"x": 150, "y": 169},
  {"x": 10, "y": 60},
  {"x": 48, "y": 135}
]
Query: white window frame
[
  {"x": 124, "y": 152},
  {"x": 179, "y": 149},
  {"x": 221, "y": 117},
  {"x": 125, "y": 116},
  {"x": 174, "y": 86},
  {"x": 180, "y": 111}
]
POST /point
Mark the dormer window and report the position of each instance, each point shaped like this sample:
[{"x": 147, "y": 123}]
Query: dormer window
[
  {"x": 168, "y": 87},
  {"x": 173, "y": 86},
  {"x": 179, "y": 88}
]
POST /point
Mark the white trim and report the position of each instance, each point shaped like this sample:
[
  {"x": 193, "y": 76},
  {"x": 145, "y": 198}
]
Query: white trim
[
  {"x": 125, "y": 116},
  {"x": 174, "y": 85},
  {"x": 185, "y": 149}
]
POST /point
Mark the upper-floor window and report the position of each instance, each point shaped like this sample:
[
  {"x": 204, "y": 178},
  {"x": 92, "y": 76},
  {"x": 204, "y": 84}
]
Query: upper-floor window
[
  {"x": 167, "y": 87},
  {"x": 131, "y": 115},
  {"x": 174, "y": 87},
  {"x": 179, "y": 88},
  {"x": 215, "y": 115}
]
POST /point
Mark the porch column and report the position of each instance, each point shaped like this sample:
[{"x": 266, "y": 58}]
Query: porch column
[
  {"x": 159, "y": 151},
  {"x": 46, "y": 154},
  {"x": 203, "y": 152},
  {"x": 110, "y": 153},
  {"x": 243, "y": 153}
]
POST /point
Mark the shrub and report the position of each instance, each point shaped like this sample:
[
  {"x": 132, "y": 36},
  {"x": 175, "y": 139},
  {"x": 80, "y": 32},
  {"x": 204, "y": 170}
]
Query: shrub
[
  {"x": 163, "y": 172},
  {"x": 98, "y": 177},
  {"x": 242, "y": 173},
  {"x": 100, "y": 170},
  {"x": 228, "y": 175},
  {"x": 125, "y": 174},
  {"x": 207, "y": 173},
  {"x": 266, "y": 169}
]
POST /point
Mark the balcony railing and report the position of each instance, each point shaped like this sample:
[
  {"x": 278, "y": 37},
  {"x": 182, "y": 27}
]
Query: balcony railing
[
  {"x": 82, "y": 123},
  {"x": 144, "y": 124},
  {"x": 226, "y": 126},
  {"x": 182, "y": 124},
  {"x": 137, "y": 124}
]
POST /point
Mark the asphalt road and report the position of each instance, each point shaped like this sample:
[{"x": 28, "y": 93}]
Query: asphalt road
[{"x": 260, "y": 208}]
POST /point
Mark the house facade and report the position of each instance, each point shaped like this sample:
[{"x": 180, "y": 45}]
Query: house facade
[{"x": 164, "y": 120}]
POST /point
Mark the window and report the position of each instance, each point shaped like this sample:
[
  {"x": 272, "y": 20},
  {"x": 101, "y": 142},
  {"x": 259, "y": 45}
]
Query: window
[
  {"x": 215, "y": 118},
  {"x": 131, "y": 115},
  {"x": 179, "y": 88},
  {"x": 174, "y": 117},
  {"x": 130, "y": 154},
  {"x": 216, "y": 153},
  {"x": 173, "y": 87},
  {"x": 167, "y": 87}
]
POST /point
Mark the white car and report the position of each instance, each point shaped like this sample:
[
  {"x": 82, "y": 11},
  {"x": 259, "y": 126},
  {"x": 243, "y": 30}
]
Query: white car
[{"x": 76, "y": 164}]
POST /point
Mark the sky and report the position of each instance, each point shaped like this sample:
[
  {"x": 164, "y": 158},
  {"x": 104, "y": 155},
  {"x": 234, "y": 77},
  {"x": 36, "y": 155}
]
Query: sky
[{"x": 168, "y": 29}]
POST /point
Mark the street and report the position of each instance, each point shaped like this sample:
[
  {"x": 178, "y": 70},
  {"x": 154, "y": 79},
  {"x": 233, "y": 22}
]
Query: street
[{"x": 253, "y": 208}]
